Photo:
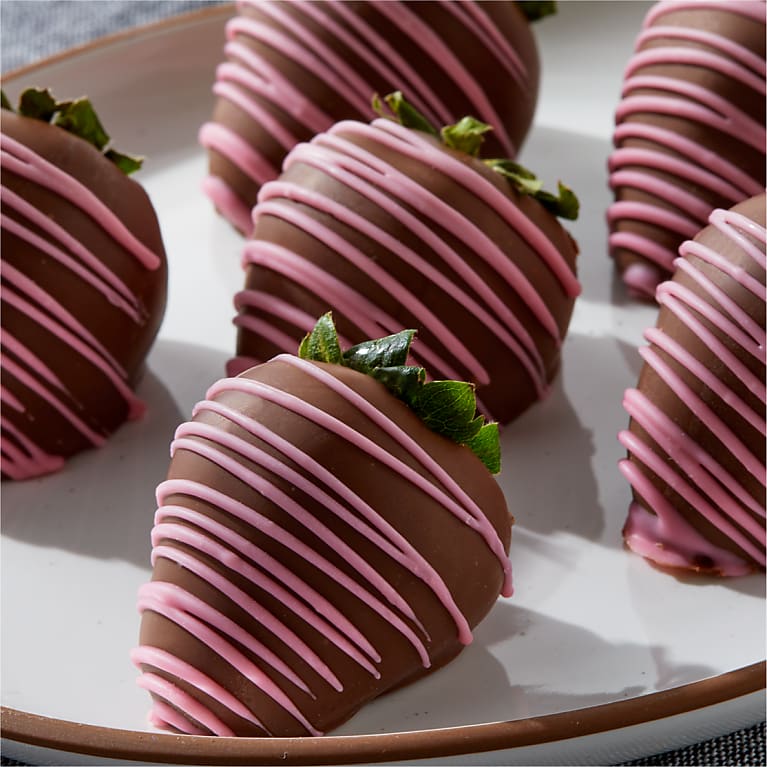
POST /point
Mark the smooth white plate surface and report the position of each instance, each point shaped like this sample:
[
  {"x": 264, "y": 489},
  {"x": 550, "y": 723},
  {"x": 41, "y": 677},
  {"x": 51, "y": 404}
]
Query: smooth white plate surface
[{"x": 589, "y": 623}]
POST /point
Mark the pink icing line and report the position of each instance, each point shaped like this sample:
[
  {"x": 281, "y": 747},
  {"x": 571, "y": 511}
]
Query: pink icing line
[
  {"x": 379, "y": 275},
  {"x": 355, "y": 173},
  {"x": 692, "y": 206},
  {"x": 720, "y": 518},
  {"x": 725, "y": 46},
  {"x": 694, "y": 103},
  {"x": 683, "y": 169},
  {"x": 325, "y": 65},
  {"x": 470, "y": 514},
  {"x": 476, "y": 518},
  {"x": 695, "y": 57},
  {"x": 164, "y": 715},
  {"x": 657, "y": 536},
  {"x": 415, "y": 145},
  {"x": 390, "y": 66},
  {"x": 309, "y": 604},
  {"x": 642, "y": 534},
  {"x": 237, "y": 596},
  {"x": 393, "y": 543},
  {"x": 37, "y": 388},
  {"x": 675, "y": 297},
  {"x": 324, "y": 204},
  {"x": 421, "y": 34},
  {"x": 294, "y": 39},
  {"x": 266, "y": 526},
  {"x": 22, "y": 161},
  {"x": 178, "y": 606},
  {"x": 228, "y": 203},
  {"x": 135, "y": 407},
  {"x": 474, "y": 15},
  {"x": 728, "y": 438},
  {"x": 28, "y": 461},
  {"x": 170, "y": 664},
  {"x": 89, "y": 267},
  {"x": 45, "y": 246},
  {"x": 226, "y": 142},
  {"x": 49, "y": 304},
  {"x": 268, "y": 490},
  {"x": 695, "y": 154},
  {"x": 747, "y": 8},
  {"x": 250, "y": 106},
  {"x": 283, "y": 93}
]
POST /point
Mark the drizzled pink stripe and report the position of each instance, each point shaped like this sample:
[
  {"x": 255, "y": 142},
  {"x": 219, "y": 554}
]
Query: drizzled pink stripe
[
  {"x": 308, "y": 603},
  {"x": 358, "y": 175},
  {"x": 164, "y": 715},
  {"x": 32, "y": 383},
  {"x": 719, "y": 497},
  {"x": 170, "y": 664},
  {"x": 229, "y": 144},
  {"x": 748, "y": 8},
  {"x": 380, "y": 276},
  {"x": 229, "y": 442},
  {"x": 692, "y": 102},
  {"x": 283, "y": 190},
  {"x": 421, "y": 34},
  {"x": 364, "y": 518},
  {"x": 88, "y": 266},
  {"x": 473, "y": 516},
  {"x": 266, "y": 526},
  {"x": 22, "y": 161},
  {"x": 177, "y": 605}
]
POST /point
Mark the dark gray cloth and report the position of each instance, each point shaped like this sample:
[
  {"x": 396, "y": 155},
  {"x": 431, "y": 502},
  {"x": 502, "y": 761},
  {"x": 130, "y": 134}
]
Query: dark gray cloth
[{"x": 32, "y": 29}]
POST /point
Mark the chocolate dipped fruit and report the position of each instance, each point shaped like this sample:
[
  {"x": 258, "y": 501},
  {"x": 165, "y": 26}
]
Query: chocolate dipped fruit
[
  {"x": 293, "y": 69},
  {"x": 83, "y": 283},
  {"x": 395, "y": 224},
  {"x": 329, "y": 530},
  {"x": 690, "y": 131},
  {"x": 696, "y": 439}
]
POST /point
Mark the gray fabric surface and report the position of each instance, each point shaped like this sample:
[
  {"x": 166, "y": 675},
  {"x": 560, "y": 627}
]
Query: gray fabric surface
[{"x": 32, "y": 29}]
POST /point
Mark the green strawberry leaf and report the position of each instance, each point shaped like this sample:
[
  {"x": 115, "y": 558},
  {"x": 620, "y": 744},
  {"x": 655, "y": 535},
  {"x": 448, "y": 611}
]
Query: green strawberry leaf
[
  {"x": 447, "y": 407},
  {"x": 77, "y": 117}
]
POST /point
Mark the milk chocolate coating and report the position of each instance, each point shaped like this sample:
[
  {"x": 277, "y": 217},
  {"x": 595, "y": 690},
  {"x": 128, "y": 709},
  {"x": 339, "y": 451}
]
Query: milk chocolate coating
[
  {"x": 428, "y": 239},
  {"x": 296, "y": 68},
  {"x": 690, "y": 131},
  {"x": 286, "y": 478},
  {"x": 80, "y": 309},
  {"x": 696, "y": 439}
]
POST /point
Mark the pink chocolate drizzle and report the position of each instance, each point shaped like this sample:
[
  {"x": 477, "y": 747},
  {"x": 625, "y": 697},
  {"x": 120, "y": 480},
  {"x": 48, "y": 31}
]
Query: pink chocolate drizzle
[
  {"x": 253, "y": 84},
  {"x": 203, "y": 539},
  {"x": 334, "y": 154},
  {"x": 660, "y": 532},
  {"x": 686, "y": 160},
  {"x": 22, "y": 459}
]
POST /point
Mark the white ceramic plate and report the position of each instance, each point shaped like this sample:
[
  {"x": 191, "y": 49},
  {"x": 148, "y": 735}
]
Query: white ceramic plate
[{"x": 597, "y": 658}]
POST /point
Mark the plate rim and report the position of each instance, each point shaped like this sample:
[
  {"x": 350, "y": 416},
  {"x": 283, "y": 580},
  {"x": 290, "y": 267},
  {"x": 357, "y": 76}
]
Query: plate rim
[
  {"x": 95, "y": 740},
  {"x": 98, "y": 741}
]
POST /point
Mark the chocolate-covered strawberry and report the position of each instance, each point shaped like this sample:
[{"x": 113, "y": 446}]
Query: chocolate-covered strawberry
[
  {"x": 393, "y": 224},
  {"x": 83, "y": 283},
  {"x": 292, "y": 69},
  {"x": 329, "y": 529},
  {"x": 690, "y": 131},
  {"x": 696, "y": 441}
]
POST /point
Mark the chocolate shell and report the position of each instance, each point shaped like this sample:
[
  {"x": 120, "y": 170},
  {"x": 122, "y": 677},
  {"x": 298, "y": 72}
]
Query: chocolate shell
[
  {"x": 388, "y": 228},
  {"x": 696, "y": 440},
  {"x": 295, "y": 68},
  {"x": 315, "y": 546},
  {"x": 83, "y": 293},
  {"x": 690, "y": 131}
]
